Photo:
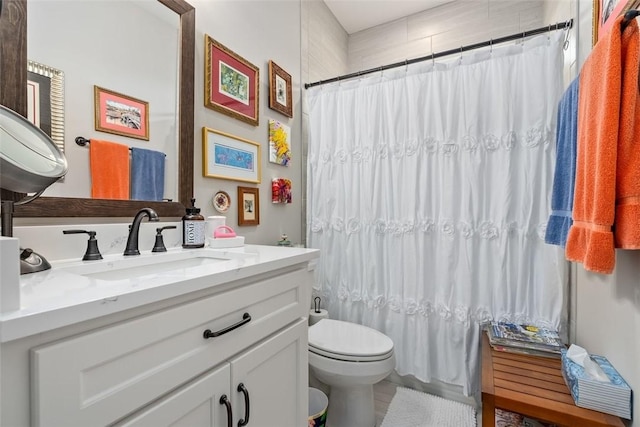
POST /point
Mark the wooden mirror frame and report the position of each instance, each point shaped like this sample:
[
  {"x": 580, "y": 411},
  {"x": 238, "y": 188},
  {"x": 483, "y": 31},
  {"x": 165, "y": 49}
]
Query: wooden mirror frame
[{"x": 13, "y": 94}]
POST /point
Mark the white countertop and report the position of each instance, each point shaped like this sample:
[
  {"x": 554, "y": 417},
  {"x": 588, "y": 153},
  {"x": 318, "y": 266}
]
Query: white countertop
[{"x": 54, "y": 298}]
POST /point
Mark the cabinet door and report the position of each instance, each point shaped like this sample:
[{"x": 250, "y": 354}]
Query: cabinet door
[
  {"x": 275, "y": 375},
  {"x": 195, "y": 405}
]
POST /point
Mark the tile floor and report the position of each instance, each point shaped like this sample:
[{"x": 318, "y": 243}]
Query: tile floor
[{"x": 383, "y": 392}]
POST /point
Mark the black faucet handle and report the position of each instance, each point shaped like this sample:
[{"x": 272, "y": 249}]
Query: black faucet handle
[
  {"x": 92, "y": 253},
  {"x": 159, "y": 245}
]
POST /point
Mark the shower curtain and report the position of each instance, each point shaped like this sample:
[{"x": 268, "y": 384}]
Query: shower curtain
[{"x": 428, "y": 193}]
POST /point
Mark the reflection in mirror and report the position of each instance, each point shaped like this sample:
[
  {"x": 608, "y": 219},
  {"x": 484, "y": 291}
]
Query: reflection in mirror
[
  {"x": 137, "y": 57},
  {"x": 13, "y": 33},
  {"x": 45, "y": 100}
]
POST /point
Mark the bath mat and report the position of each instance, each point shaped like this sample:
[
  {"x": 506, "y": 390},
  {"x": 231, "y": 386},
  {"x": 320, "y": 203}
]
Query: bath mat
[{"x": 411, "y": 408}]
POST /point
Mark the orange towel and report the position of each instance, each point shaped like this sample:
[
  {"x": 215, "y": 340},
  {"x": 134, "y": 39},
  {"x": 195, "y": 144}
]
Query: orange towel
[
  {"x": 600, "y": 115},
  {"x": 109, "y": 170},
  {"x": 627, "y": 219}
]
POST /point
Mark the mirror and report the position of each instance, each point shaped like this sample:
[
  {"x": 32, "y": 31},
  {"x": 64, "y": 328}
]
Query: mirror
[{"x": 13, "y": 23}]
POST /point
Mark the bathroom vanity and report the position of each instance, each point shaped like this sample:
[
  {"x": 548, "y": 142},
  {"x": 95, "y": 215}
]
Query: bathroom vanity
[{"x": 211, "y": 338}]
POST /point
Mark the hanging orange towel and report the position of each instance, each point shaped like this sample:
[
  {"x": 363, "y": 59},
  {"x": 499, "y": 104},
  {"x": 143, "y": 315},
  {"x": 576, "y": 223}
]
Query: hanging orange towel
[
  {"x": 603, "y": 88},
  {"x": 109, "y": 170},
  {"x": 627, "y": 220}
]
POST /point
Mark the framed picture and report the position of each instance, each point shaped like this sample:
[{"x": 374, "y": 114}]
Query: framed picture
[
  {"x": 45, "y": 100},
  {"x": 279, "y": 143},
  {"x": 120, "y": 114},
  {"x": 248, "y": 206},
  {"x": 281, "y": 190},
  {"x": 280, "y": 98},
  {"x": 231, "y": 83},
  {"x": 226, "y": 156},
  {"x": 605, "y": 13}
]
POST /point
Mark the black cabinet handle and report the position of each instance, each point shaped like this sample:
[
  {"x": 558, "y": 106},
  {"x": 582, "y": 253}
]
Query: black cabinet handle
[
  {"x": 244, "y": 421},
  {"x": 246, "y": 318},
  {"x": 225, "y": 401}
]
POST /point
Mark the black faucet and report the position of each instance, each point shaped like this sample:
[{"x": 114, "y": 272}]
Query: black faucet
[{"x": 134, "y": 230}]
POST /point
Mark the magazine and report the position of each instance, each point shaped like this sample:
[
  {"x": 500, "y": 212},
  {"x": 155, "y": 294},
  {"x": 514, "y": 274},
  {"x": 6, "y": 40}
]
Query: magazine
[
  {"x": 527, "y": 351},
  {"x": 524, "y": 336}
]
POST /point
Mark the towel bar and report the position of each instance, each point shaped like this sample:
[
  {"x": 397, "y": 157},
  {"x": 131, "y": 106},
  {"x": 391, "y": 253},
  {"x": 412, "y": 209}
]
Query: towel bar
[{"x": 83, "y": 142}]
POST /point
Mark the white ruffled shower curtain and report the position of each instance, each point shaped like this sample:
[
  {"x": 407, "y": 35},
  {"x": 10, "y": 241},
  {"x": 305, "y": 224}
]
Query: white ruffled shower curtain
[{"x": 428, "y": 193}]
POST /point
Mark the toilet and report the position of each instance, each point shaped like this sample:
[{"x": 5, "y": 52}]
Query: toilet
[{"x": 350, "y": 359}]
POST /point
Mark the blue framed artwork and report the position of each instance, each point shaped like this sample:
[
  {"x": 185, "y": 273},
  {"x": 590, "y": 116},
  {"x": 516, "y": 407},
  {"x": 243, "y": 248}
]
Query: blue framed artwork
[{"x": 226, "y": 156}]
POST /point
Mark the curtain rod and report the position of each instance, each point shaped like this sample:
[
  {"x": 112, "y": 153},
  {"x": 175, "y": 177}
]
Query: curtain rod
[{"x": 559, "y": 26}]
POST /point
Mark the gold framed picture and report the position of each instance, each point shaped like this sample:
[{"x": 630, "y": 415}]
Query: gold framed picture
[
  {"x": 231, "y": 83},
  {"x": 226, "y": 156},
  {"x": 248, "y": 206},
  {"x": 120, "y": 114},
  {"x": 605, "y": 13},
  {"x": 280, "y": 98}
]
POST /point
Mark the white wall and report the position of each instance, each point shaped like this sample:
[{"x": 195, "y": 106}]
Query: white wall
[
  {"x": 258, "y": 31},
  {"x": 442, "y": 28},
  {"x": 608, "y": 306}
]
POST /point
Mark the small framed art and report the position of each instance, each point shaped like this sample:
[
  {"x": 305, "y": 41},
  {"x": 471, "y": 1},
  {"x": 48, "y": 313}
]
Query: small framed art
[
  {"x": 605, "y": 13},
  {"x": 248, "y": 206},
  {"x": 120, "y": 114},
  {"x": 231, "y": 83},
  {"x": 45, "y": 100},
  {"x": 280, "y": 98},
  {"x": 281, "y": 190},
  {"x": 226, "y": 156},
  {"x": 279, "y": 143}
]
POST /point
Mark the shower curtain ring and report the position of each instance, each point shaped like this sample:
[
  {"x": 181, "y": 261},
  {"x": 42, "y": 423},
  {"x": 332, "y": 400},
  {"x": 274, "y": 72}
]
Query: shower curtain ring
[
  {"x": 406, "y": 65},
  {"x": 490, "y": 45},
  {"x": 567, "y": 28}
]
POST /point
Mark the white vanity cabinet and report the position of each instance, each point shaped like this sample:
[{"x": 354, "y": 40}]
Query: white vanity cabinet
[
  {"x": 159, "y": 368},
  {"x": 272, "y": 375}
]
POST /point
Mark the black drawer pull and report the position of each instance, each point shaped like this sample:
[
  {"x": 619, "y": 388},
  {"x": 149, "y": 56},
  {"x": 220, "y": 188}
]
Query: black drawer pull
[
  {"x": 244, "y": 421},
  {"x": 225, "y": 401},
  {"x": 246, "y": 318}
]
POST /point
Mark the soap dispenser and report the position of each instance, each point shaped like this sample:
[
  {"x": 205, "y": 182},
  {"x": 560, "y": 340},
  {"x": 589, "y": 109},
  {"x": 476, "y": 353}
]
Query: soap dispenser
[{"x": 193, "y": 228}]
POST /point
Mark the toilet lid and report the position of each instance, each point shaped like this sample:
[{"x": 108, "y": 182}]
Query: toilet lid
[{"x": 348, "y": 341}]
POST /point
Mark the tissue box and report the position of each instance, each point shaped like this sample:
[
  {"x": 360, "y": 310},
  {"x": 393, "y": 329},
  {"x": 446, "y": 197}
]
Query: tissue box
[{"x": 612, "y": 398}]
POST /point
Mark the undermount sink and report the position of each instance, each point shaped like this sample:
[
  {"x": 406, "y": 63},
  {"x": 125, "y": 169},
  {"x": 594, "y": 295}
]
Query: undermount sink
[{"x": 121, "y": 267}]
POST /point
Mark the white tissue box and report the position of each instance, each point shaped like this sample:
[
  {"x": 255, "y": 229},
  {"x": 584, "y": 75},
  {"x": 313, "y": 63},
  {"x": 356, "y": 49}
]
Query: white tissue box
[
  {"x": 226, "y": 242},
  {"x": 612, "y": 398}
]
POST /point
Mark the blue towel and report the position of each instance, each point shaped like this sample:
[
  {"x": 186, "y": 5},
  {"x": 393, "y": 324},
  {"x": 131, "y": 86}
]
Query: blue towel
[
  {"x": 147, "y": 174},
  {"x": 565, "y": 174}
]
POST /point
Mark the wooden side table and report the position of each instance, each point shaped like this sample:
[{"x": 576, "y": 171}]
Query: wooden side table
[{"x": 532, "y": 386}]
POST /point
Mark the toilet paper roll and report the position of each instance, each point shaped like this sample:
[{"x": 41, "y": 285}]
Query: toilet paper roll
[{"x": 316, "y": 317}]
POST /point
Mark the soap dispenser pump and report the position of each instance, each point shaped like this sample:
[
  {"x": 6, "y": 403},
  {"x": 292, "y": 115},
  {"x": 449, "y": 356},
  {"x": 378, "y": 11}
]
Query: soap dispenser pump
[{"x": 193, "y": 227}]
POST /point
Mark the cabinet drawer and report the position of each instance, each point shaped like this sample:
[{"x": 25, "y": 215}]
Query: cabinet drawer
[{"x": 99, "y": 377}]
